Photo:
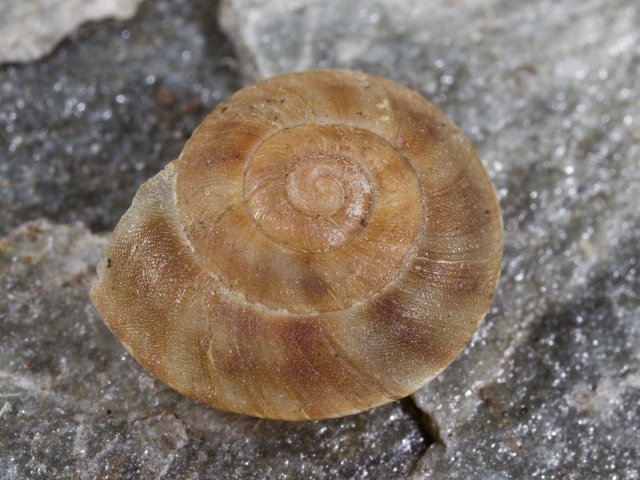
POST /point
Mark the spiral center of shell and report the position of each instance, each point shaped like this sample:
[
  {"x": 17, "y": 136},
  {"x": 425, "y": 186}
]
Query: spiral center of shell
[
  {"x": 314, "y": 191},
  {"x": 306, "y": 194},
  {"x": 321, "y": 205}
]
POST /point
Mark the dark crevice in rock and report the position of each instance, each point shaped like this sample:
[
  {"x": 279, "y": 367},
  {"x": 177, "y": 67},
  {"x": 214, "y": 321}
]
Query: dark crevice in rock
[{"x": 426, "y": 424}]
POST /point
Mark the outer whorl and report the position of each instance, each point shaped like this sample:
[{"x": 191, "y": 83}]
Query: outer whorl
[{"x": 326, "y": 242}]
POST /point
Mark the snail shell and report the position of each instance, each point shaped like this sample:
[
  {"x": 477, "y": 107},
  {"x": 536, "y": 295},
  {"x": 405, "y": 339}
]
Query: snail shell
[{"x": 326, "y": 242}]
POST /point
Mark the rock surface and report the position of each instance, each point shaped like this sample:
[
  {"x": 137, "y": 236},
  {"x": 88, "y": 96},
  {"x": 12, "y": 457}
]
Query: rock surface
[
  {"x": 82, "y": 129},
  {"x": 32, "y": 29},
  {"x": 549, "y": 92}
]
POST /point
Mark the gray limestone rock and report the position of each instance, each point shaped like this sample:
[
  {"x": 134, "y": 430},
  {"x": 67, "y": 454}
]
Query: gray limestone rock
[
  {"x": 83, "y": 128},
  {"x": 29, "y": 30},
  {"x": 549, "y": 92}
]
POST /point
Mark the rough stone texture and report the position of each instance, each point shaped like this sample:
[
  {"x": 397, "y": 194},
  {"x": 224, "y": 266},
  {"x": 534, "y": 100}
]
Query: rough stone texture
[
  {"x": 82, "y": 129},
  {"x": 32, "y": 29},
  {"x": 73, "y": 404},
  {"x": 549, "y": 92}
]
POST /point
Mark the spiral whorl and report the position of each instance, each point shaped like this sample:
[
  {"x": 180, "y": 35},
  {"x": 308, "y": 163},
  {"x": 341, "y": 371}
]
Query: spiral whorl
[
  {"x": 305, "y": 196},
  {"x": 327, "y": 241}
]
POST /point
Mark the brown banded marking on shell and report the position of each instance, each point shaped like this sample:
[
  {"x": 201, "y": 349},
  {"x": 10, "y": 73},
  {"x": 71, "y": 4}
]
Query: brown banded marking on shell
[{"x": 326, "y": 242}]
